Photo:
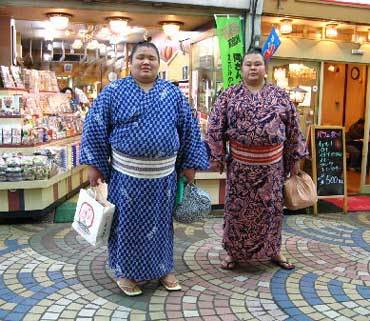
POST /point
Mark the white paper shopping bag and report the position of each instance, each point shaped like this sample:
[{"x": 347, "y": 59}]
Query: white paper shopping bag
[{"x": 93, "y": 219}]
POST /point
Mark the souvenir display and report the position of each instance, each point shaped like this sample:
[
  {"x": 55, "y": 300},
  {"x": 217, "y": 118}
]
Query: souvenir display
[
  {"x": 6, "y": 77},
  {"x": 18, "y": 167},
  {"x": 16, "y": 73},
  {"x": 43, "y": 115},
  {"x": 10, "y": 105}
]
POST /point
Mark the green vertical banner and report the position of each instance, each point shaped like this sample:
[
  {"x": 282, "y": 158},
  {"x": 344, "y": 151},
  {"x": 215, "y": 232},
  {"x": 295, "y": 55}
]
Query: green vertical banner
[{"x": 230, "y": 39}]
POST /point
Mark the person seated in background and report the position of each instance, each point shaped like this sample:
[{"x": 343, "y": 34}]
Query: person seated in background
[
  {"x": 70, "y": 94},
  {"x": 354, "y": 144},
  {"x": 356, "y": 131}
]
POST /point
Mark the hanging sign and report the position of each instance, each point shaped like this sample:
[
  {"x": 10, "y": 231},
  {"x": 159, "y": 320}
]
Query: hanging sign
[{"x": 230, "y": 39}]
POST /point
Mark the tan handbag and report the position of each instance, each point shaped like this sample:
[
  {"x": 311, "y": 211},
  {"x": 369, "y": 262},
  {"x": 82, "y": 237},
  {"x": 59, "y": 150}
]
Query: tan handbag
[{"x": 299, "y": 191}]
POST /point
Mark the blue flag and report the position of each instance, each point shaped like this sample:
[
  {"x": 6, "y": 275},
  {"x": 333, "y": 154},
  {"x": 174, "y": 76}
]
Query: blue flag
[{"x": 271, "y": 44}]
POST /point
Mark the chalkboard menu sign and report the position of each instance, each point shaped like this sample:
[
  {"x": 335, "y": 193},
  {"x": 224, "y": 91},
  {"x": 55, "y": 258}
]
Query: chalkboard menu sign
[
  {"x": 329, "y": 163},
  {"x": 329, "y": 160}
]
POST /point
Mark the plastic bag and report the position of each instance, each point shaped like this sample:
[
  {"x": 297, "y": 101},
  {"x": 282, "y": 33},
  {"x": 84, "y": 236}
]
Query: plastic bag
[
  {"x": 195, "y": 205},
  {"x": 299, "y": 191}
]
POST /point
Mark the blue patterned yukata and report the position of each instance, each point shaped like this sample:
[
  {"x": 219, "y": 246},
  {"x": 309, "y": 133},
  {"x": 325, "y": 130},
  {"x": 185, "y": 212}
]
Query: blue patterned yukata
[{"x": 142, "y": 125}]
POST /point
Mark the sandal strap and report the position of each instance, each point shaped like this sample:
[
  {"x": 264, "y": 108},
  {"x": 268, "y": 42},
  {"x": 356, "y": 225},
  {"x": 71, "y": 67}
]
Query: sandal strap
[
  {"x": 128, "y": 287},
  {"x": 168, "y": 283}
]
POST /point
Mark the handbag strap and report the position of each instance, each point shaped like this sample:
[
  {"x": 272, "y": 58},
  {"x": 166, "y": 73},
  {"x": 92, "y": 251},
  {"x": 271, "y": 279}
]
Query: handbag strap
[{"x": 308, "y": 135}]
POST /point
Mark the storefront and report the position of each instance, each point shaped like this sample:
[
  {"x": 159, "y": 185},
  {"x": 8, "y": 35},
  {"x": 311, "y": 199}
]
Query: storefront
[
  {"x": 324, "y": 64},
  {"x": 76, "y": 46}
]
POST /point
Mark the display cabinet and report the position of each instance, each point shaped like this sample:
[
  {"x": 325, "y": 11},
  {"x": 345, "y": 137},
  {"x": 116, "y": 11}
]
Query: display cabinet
[
  {"x": 301, "y": 80},
  {"x": 206, "y": 75}
]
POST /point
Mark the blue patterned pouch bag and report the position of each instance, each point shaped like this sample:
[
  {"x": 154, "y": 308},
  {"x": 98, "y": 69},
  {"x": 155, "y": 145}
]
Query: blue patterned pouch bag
[{"x": 195, "y": 205}]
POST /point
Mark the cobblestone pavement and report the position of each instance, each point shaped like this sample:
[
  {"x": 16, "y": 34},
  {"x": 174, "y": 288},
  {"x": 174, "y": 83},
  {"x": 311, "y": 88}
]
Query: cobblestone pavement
[{"x": 47, "y": 272}]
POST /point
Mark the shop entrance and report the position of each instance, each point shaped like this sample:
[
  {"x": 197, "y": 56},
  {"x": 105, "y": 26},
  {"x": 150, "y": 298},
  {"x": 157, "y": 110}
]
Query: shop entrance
[{"x": 343, "y": 104}]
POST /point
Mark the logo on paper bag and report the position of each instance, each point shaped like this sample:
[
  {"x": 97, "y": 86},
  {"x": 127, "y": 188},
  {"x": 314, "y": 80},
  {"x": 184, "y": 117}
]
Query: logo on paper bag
[{"x": 86, "y": 217}]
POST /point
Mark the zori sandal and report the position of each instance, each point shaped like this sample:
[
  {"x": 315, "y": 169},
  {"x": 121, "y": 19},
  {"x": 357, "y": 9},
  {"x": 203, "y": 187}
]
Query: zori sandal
[
  {"x": 286, "y": 265},
  {"x": 170, "y": 285},
  {"x": 129, "y": 287}
]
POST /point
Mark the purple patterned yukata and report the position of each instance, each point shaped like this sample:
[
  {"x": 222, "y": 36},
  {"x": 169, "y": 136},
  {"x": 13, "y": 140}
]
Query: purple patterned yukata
[
  {"x": 143, "y": 126},
  {"x": 254, "y": 193}
]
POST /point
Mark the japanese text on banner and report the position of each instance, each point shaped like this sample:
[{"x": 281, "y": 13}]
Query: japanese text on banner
[{"x": 230, "y": 39}]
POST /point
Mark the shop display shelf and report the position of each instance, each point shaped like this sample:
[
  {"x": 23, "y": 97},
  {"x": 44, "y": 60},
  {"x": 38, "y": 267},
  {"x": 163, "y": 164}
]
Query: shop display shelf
[
  {"x": 59, "y": 141},
  {"x": 209, "y": 174},
  {"x": 12, "y": 91},
  {"x": 11, "y": 116},
  {"x": 42, "y": 183}
]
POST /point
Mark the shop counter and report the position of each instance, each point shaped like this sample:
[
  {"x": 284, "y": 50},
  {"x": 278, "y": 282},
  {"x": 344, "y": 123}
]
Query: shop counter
[{"x": 214, "y": 183}]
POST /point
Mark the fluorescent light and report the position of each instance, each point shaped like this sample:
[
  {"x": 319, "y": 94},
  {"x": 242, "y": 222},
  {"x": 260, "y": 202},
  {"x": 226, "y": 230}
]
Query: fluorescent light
[
  {"x": 286, "y": 26},
  {"x": 77, "y": 44},
  {"x": 48, "y": 34},
  {"x": 331, "y": 31},
  {"x": 46, "y": 57},
  {"x": 92, "y": 45}
]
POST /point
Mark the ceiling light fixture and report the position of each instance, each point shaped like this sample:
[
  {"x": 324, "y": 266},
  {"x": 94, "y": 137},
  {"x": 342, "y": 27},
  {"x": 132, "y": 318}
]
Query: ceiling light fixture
[
  {"x": 118, "y": 24},
  {"x": 77, "y": 44},
  {"x": 286, "y": 26},
  {"x": 171, "y": 28},
  {"x": 331, "y": 30},
  {"x": 59, "y": 20}
]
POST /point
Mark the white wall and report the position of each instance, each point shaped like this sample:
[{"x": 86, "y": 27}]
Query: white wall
[
  {"x": 235, "y": 4},
  {"x": 322, "y": 50}
]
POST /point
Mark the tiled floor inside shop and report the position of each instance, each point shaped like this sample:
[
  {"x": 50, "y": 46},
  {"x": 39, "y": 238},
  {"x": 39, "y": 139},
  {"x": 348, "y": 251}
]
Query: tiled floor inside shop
[{"x": 49, "y": 273}]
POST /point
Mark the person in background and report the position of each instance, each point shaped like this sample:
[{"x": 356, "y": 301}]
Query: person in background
[
  {"x": 145, "y": 126},
  {"x": 70, "y": 94},
  {"x": 260, "y": 125},
  {"x": 354, "y": 144}
]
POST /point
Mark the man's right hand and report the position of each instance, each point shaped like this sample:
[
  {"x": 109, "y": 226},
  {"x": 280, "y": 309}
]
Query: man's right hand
[{"x": 95, "y": 176}]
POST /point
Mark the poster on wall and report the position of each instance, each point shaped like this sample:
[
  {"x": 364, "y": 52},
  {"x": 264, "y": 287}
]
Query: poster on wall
[
  {"x": 230, "y": 39},
  {"x": 307, "y": 97}
]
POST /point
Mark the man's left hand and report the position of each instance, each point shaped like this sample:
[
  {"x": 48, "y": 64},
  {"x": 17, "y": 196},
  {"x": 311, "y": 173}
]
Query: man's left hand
[
  {"x": 189, "y": 174},
  {"x": 296, "y": 168}
]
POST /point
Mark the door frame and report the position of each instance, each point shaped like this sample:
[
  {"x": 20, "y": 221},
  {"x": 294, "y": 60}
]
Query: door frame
[{"x": 365, "y": 188}]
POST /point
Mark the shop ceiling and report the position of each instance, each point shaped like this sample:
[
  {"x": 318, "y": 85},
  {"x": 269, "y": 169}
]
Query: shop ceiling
[
  {"x": 317, "y": 29},
  {"x": 37, "y": 16},
  {"x": 144, "y": 18},
  {"x": 144, "y": 21}
]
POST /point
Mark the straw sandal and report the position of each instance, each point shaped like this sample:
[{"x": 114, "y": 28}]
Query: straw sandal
[
  {"x": 128, "y": 287},
  {"x": 228, "y": 263},
  {"x": 170, "y": 285},
  {"x": 284, "y": 264}
]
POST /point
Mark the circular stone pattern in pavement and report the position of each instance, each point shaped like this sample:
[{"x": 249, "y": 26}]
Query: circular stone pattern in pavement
[{"x": 47, "y": 272}]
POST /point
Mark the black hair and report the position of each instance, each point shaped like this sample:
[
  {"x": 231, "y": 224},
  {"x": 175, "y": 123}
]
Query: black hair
[
  {"x": 255, "y": 51},
  {"x": 361, "y": 121},
  {"x": 146, "y": 44},
  {"x": 65, "y": 89}
]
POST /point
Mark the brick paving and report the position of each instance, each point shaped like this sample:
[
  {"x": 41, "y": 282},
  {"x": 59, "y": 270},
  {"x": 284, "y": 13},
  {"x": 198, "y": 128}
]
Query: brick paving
[{"x": 47, "y": 272}]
